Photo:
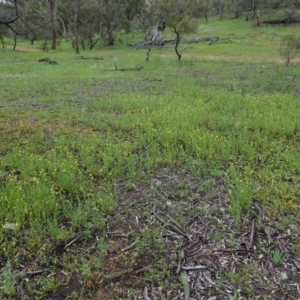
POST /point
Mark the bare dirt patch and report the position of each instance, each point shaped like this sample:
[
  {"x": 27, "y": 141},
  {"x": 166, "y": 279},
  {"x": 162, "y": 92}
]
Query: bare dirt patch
[
  {"x": 230, "y": 57},
  {"x": 170, "y": 240},
  {"x": 25, "y": 49}
]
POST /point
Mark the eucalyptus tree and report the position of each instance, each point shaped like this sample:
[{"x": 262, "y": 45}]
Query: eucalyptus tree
[
  {"x": 112, "y": 18},
  {"x": 30, "y": 18},
  {"x": 43, "y": 10},
  {"x": 290, "y": 8},
  {"x": 133, "y": 9},
  {"x": 205, "y": 6},
  {"x": 237, "y": 7},
  {"x": 177, "y": 15},
  {"x": 219, "y": 6},
  {"x": 52, "y": 4},
  {"x": 72, "y": 12},
  {"x": 92, "y": 20}
]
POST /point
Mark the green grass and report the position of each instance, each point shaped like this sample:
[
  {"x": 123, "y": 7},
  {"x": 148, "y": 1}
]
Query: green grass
[{"x": 72, "y": 132}]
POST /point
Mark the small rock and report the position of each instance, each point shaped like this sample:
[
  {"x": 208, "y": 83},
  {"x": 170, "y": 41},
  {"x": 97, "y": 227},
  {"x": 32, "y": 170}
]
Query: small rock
[
  {"x": 9, "y": 227},
  {"x": 157, "y": 183}
]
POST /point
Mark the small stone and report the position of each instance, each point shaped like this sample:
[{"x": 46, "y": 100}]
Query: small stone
[
  {"x": 157, "y": 183},
  {"x": 9, "y": 227}
]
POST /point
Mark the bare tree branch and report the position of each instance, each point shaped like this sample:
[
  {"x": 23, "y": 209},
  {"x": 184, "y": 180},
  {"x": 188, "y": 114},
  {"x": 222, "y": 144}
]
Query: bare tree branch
[
  {"x": 37, "y": 11},
  {"x": 31, "y": 30},
  {"x": 7, "y": 22},
  {"x": 11, "y": 21}
]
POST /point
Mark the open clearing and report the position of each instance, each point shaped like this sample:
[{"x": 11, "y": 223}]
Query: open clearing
[
  {"x": 178, "y": 181},
  {"x": 198, "y": 56}
]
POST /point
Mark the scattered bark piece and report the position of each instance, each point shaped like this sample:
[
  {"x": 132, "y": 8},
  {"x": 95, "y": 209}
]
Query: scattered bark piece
[
  {"x": 119, "y": 234},
  {"x": 63, "y": 246},
  {"x": 145, "y": 294},
  {"x": 297, "y": 265},
  {"x": 193, "y": 268},
  {"x": 181, "y": 260},
  {"x": 32, "y": 273},
  {"x": 186, "y": 287},
  {"x": 268, "y": 234},
  {"x": 252, "y": 236},
  {"x": 207, "y": 276},
  {"x": 129, "y": 247}
]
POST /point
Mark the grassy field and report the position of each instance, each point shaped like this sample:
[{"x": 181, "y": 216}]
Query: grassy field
[{"x": 109, "y": 180}]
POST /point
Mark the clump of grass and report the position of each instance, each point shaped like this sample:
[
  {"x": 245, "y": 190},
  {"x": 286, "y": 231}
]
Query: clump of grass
[
  {"x": 242, "y": 278},
  {"x": 277, "y": 257}
]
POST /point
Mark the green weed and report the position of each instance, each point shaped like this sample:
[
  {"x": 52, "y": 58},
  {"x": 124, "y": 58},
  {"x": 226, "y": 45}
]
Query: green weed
[
  {"x": 242, "y": 278},
  {"x": 8, "y": 282},
  {"x": 277, "y": 257}
]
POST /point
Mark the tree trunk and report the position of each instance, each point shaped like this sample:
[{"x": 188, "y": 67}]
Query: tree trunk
[
  {"x": 15, "y": 41},
  {"x": 63, "y": 26},
  {"x": 93, "y": 43},
  {"x": 82, "y": 42},
  {"x": 110, "y": 36},
  {"x": 77, "y": 44},
  {"x": 177, "y": 43},
  {"x": 52, "y": 7},
  {"x": 221, "y": 9},
  {"x": 237, "y": 12},
  {"x": 76, "y": 30},
  {"x": 2, "y": 41},
  {"x": 148, "y": 53}
]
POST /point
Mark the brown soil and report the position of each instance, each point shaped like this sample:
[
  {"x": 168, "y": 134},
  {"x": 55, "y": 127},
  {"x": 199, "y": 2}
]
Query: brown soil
[{"x": 26, "y": 49}]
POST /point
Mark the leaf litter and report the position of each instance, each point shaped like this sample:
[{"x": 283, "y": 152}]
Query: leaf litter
[{"x": 165, "y": 246}]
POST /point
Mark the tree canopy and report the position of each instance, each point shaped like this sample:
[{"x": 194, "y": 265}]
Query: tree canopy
[{"x": 90, "y": 21}]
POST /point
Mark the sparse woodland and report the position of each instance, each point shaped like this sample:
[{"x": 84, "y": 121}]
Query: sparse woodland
[{"x": 88, "y": 23}]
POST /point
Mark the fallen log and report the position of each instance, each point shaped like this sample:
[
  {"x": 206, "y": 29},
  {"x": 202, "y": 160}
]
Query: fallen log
[
  {"x": 96, "y": 58},
  {"x": 210, "y": 39},
  {"x": 284, "y": 21},
  {"x": 126, "y": 69},
  {"x": 148, "y": 44}
]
